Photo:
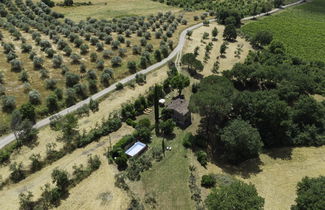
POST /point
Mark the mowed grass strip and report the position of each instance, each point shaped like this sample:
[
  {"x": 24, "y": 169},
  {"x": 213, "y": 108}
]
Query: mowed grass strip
[
  {"x": 105, "y": 9},
  {"x": 169, "y": 178},
  {"x": 301, "y": 29}
]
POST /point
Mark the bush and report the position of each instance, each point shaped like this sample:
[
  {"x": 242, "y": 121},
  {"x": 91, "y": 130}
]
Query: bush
[
  {"x": 50, "y": 84},
  {"x": 93, "y": 105},
  {"x": 17, "y": 174},
  {"x": 57, "y": 61},
  {"x": 52, "y": 103},
  {"x": 71, "y": 79},
  {"x": 34, "y": 97},
  {"x": 132, "y": 66},
  {"x": 202, "y": 157},
  {"x": 208, "y": 181},
  {"x": 188, "y": 140},
  {"x": 16, "y": 65},
  {"x": 116, "y": 61},
  {"x": 24, "y": 76},
  {"x": 8, "y": 103},
  {"x": 167, "y": 127},
  {"x": 36, "y": 162},
  {"x": 140, "y": 78},
  {"x": 119, "y": 86},
  {"x": 93, "y": 57}
]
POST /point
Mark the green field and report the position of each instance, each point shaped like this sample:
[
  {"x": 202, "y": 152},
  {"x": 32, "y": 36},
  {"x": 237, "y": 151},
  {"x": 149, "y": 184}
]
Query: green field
[
  {"x": 168, "y": 179},
  {"x": 301, "y": 29}
]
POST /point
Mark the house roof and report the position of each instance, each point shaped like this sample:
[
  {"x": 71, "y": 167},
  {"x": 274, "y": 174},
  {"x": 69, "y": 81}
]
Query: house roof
[
  {"x": 179, "y": 105},
  {"x": 136, "y": 148}
]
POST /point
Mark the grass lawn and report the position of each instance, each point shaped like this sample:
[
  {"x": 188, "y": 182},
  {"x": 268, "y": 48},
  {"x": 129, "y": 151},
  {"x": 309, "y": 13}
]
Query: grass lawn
[
  {"x": 103, "y": 9},
  {"x": 301, "y": 29},
  {"x": 168, "y": 179}
]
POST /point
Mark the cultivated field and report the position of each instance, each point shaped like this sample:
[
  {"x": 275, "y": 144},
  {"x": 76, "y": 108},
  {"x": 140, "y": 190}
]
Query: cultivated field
[
  {"x": 47, "y": 52},
  {"x": 300, "y": 28}
]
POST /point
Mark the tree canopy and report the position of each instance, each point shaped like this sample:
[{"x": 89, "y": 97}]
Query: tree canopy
[
  {"x": 237, "y": 195},
  {"x": 310, "y": 194},
  {"x": 241, "y": 140}
]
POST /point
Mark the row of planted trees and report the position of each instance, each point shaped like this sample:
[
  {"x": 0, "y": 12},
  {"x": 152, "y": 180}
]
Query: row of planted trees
[{"x": 58, "y": 41}]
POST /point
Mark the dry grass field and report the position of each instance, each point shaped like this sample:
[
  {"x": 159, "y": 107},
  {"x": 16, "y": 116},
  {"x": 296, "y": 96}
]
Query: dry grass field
[
  {"x": 103, "y": 9},
  {"x": 275, "y": 174}
]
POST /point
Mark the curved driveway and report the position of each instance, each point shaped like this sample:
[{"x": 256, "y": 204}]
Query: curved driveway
[{"x": 182, "y": 38}]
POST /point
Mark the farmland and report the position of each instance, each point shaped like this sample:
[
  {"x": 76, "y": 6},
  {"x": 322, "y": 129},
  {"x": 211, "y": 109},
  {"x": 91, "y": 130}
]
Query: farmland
[
  {"x": 257, "y": 115},
  {"x": 301, "y": 29},
  {"x": 41, "y": 57}
]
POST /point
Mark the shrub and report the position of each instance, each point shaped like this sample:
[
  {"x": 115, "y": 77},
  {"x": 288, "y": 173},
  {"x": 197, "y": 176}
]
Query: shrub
[
  {"x": 119, "y": 86},
  {"x": 115, "y": 44},
  {"x": 24, "y": 76},
  {"x": 116, "y": 61},
  {"x": 75, "y": 58},
  {"x": 70, "y": 97},
  {"x": 8, "y": 103},
  {"x": 132, "y": 66},
  {"x": 167, "y": 127},
  {"x": 49, "y": 52},
  {"x": 36, "y": 162},
  {"x": 100, "y": 64},
  {"x": 17, "y": 174},
  {"x": 93, "y": 40},
  {"x": 105, "y": 77},
  {"x": 107, "y": 54},
  {"x": 34, "y": 97},
  {"x": 57, "y": 61},
  {"x": 93, "y": 105},
  {"x": 140, "y": 78},
  {"x": 202, "y": 157},
  {"x": 71, "y": 79},
  {"x": 128, "y": 111},
  {"x": 93, "y": 57},
  {"x": 122, "y": 52},
  {"x": 84, "y": 49},
  {"x": 52, "y": 103},
  {"x": 16, "y": 65},
  {"x": 208, "y": 181},
  {"x": 99, "y": 46},
  {"x": 188, "y": 140},
  {"x": 92, "y": 85},
  {"x": 50, "y": 84}
]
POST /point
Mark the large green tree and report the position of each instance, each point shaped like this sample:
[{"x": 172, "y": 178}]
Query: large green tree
[
  {"x": 241, "y": 141},
  {"x": 237, "y": 195},
  {"x": 310, "y": 194},
  {"x": 213, "y": 101},
  {"x": 180, "y": 82},
  {"x": 230, "y": 33}
]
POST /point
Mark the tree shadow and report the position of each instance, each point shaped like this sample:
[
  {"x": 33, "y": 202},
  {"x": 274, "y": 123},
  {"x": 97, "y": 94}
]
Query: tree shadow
[
  {"x": 195, "y": 74},
  {"x": 284, "y": 153},
  {"x": 244, "y": 169}
]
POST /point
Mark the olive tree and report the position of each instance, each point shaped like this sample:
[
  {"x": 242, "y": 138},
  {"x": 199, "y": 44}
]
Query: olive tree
[{"x": 34, "y": 97}]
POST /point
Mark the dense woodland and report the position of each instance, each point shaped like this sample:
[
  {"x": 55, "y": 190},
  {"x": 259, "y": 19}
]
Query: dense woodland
[{"x": 268, "y": 100}]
